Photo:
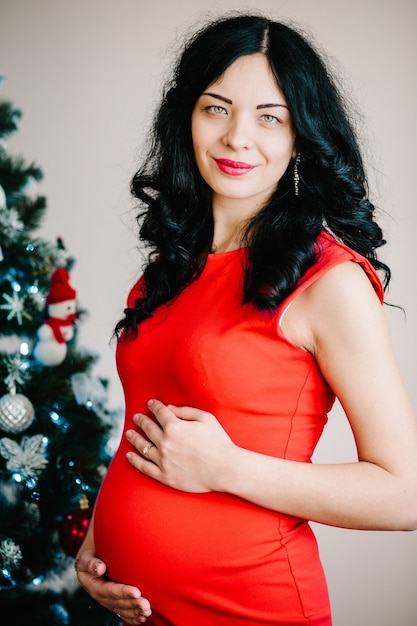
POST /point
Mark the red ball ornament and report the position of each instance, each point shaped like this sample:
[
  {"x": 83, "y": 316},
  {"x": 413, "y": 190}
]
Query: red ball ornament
[{"x": 74, "y": 526}]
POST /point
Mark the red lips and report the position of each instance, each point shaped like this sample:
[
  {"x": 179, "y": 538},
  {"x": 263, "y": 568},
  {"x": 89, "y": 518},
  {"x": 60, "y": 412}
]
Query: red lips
[{"x": 233, "y": 168}]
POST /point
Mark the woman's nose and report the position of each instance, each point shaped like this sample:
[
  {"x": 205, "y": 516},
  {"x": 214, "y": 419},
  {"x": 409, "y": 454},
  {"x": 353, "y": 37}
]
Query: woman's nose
[{"x": 238, "y": 133}]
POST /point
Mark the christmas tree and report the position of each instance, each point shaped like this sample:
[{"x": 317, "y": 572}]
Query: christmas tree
[{"x": 55, "y": 429}]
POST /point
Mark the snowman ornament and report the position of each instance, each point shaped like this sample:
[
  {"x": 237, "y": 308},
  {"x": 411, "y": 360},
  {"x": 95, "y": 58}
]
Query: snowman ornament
[{"x": 57, "y": 330}]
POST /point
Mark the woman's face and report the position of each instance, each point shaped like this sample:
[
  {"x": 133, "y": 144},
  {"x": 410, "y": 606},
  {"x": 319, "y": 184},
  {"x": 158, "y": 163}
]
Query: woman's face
[{"x": 242, "y": 134}]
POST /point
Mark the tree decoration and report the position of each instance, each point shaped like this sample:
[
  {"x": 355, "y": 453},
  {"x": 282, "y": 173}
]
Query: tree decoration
[
  {"x": 51, "y": 348},
  {"x": 16, "y": 410},
  {"x": 10, "y": 554},
  {"x": 15, "y": 305},
  {"x": 28, "y": 458},
  {"x": 74, "y": 527},
  {"x": 16, "y": 413},
  {"x": 91, "y": 392}
]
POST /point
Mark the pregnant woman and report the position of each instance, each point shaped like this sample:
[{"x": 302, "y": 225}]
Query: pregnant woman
[{"x": 260, "y": 304}]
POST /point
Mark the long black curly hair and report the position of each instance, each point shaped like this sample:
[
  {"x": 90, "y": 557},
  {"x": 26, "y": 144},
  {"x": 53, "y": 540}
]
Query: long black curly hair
[{"x": 176, "y": 220}]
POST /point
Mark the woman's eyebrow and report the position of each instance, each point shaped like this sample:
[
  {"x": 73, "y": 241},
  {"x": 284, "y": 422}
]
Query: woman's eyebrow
[
  {"x": 271, "y": 104},
  {"x": 216, "y": 95},
  {"x": 228, "y": 101}
]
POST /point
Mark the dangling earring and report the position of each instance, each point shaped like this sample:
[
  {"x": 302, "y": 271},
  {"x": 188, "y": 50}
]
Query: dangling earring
[{"x": 296, "y": 174}]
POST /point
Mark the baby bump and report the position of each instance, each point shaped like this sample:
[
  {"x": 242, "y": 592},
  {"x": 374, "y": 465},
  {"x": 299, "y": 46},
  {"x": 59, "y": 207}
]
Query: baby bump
[
  {"x": 213, "y": 547},
  {"x": 140, "y": 522}
]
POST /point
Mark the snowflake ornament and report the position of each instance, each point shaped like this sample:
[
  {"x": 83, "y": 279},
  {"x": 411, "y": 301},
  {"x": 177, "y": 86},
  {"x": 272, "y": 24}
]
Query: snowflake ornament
[
  {"x": 17, "y": 373},
  {"x": 16, "y": 307}
]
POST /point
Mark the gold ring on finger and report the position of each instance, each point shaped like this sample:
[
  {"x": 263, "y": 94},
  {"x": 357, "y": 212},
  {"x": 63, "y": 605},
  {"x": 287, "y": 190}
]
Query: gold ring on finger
[{"x": 146, "y": 449}]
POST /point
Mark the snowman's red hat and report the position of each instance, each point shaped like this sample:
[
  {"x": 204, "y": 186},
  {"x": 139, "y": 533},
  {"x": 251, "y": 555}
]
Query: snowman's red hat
[{"x": 60, "y": 289}]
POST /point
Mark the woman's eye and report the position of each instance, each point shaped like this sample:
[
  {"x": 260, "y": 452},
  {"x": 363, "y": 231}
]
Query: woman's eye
[
  {"x": 216, "y": 108},
  {"x": 270, "y": 119}
]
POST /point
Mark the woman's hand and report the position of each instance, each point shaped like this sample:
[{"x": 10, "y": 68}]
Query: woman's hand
[
  {"x": 124, "y": 600},
  {"x": 186, "y": 448}
]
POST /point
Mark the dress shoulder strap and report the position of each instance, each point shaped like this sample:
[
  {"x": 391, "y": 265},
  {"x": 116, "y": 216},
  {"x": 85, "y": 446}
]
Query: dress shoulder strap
[{"x": 332, "y": 252}]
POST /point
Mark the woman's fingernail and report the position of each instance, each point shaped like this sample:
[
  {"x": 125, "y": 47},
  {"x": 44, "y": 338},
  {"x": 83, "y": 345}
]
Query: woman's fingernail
[
  {"x": 129, "y": 434},
  {"x": 150, "y": 403}
]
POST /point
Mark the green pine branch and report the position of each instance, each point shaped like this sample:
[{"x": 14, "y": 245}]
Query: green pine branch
[
  {"x": 31, "y": 211},
  {"x": 15, "y": 176},
  {"x": 9, "y": 119}
]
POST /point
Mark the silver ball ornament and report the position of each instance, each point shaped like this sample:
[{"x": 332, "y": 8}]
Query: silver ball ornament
[{"x": 16, "y": 413}]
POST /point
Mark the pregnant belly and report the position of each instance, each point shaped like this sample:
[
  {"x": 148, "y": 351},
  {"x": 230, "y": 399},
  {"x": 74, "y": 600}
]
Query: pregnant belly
[
  {"x": 213, "y": 550},
  {"x": 140, "y": 524}
]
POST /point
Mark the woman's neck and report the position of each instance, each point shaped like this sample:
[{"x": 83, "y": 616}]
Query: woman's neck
[
  {"x": 230, "y": 218},
  {"x": 225, "y": 246},
  {"x": 227, "y": 233}
]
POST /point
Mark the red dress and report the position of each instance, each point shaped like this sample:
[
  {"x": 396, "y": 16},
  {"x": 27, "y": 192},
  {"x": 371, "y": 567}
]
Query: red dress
[{"x": 216, "y": 559}]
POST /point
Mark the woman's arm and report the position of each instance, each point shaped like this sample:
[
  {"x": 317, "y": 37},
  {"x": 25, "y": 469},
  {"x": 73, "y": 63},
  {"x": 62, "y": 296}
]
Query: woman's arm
[
  {"x": 124, "y": 600},
  {"x": 341, "y": 322}
]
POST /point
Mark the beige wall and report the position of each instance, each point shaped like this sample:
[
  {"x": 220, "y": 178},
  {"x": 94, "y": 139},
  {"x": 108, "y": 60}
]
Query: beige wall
[{"x": 85, "y": 74}]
